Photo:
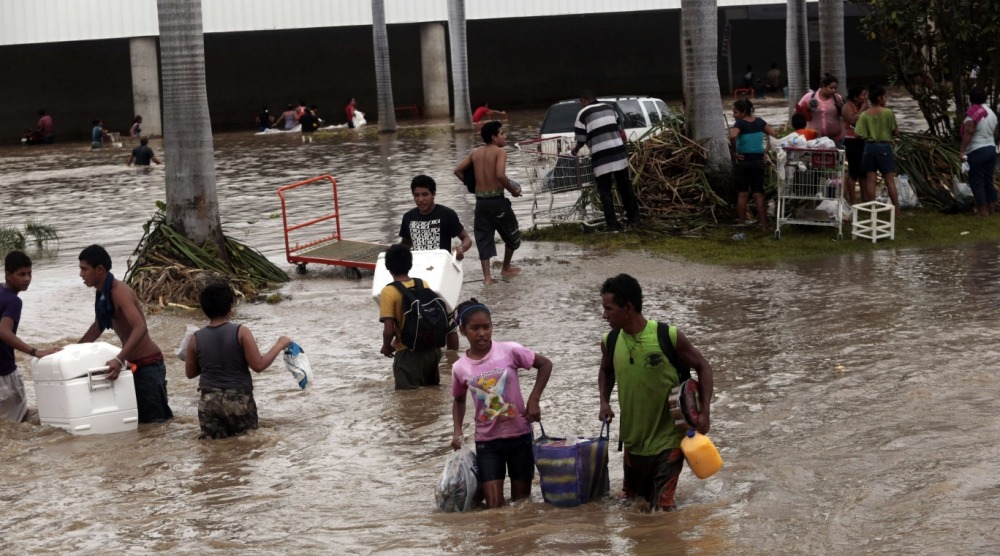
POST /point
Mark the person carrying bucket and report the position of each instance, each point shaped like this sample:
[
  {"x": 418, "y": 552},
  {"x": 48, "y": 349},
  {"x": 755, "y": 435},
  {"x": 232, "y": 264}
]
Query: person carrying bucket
[{"x": 646, "y": 374}]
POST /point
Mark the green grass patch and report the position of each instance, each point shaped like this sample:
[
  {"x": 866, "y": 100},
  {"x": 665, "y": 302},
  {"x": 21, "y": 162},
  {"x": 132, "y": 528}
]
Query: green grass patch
[{"x": 715, "y": 244}]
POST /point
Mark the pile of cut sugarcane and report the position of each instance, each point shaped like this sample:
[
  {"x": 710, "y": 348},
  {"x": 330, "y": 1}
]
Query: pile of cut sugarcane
[
  {"x": 168, "y": 269},
  {"x": 670, "y": 183}
]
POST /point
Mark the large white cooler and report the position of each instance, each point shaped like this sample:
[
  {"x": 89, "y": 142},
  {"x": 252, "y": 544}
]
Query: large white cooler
[
  {"x": 73, "y": 393},
  {"x": 438, "y": 268}
]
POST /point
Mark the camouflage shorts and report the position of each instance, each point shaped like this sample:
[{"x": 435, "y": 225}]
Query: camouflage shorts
[{"x": 224, "y": 413}]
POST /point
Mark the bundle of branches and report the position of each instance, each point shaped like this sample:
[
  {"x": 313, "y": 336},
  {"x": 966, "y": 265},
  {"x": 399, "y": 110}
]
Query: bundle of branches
[
  {"x": 167, "y": 268},
  {"x": 931, "y": 163},
  {"x": 669, "y": 180}
]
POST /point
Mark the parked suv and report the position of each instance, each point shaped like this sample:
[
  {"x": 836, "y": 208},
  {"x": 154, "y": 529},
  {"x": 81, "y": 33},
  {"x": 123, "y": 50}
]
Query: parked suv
[{"x": 638, "y": 115}]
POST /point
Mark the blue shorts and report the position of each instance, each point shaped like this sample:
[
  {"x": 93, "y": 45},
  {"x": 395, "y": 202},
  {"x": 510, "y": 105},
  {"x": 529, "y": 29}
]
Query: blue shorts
[
  {"x": 514, "y": 455},
  {"x": 878, "y": 157}
]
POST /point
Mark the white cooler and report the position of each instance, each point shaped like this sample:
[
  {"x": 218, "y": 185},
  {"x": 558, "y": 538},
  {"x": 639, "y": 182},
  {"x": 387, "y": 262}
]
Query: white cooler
[
  {"x": 73, "y": 394},
  {"x": 438, "y": 268}
]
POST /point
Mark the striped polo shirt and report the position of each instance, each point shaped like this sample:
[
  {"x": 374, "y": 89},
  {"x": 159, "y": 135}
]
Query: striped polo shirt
[{"x": 597, "y": 125}]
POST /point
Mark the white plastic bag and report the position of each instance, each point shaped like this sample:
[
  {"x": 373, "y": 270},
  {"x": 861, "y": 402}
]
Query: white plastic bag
[
  {"x": 298, "y": 365},
  {"x": 359, "y": 118},
  {"x": 830, "y": 206},
  {"x": 961, "y": 191},
  {"x": 793, "y": 139},
  {"x": 455, "y": 491},
  {"x": 821, "y": 143},
  {"x": 188, "y": 334},
  {"x": 905, "y": 193}
]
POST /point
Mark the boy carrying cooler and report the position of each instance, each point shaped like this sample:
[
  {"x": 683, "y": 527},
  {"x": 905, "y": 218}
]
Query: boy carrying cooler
[
  {"x": 414, "y": 363},
  {"x": 17, "y": 274}
]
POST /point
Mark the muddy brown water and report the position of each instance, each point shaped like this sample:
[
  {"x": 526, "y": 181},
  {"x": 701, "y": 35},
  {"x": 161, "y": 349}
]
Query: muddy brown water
[{"x": 855, "y": 403}]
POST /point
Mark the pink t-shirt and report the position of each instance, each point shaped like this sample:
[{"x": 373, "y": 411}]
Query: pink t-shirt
[
  {"x": 825, "y": 118},
  {"x": 496, "y": 390}
]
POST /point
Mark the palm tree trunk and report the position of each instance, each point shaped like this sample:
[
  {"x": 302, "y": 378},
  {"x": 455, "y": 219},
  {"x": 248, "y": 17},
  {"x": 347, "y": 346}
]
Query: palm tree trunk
[
  {"x": 699, "y": 46},
  {"x": 383, "y": 76},
  {"x": 796, "y": 52},
  {"x": 459, "y": 65},
  {"x": 192, "y": 199},
  {"x": 831, "y": 40}
]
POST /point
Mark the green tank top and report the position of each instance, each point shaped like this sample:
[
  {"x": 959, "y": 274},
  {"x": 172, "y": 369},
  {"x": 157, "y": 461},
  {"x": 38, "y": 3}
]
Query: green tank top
[{"x": 643, "y": 387}]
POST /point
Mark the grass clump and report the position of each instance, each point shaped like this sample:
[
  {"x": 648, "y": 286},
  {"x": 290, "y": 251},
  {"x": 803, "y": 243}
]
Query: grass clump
[{"x": 919, "y": 228}]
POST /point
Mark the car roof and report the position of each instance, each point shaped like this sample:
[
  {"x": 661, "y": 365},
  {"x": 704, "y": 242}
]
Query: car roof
[{"x": 609, "y": 97}]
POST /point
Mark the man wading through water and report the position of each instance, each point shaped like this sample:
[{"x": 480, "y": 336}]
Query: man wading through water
[{"x": 493, "y": 211}]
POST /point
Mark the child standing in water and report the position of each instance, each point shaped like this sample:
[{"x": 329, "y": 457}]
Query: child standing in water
[
  {"x": 503, "y": 434},
  {"x": 223, "y": 353}
]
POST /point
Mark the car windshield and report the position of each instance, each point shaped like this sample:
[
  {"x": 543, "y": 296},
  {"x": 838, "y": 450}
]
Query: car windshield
[
  {"x": 633, "y": 113},
  {"x": 560, "y": 118}
]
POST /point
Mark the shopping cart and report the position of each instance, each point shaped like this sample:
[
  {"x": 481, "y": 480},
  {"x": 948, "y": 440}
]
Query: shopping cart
[
  {"x": 563, "y": 185},
  {"x": 806, "y": 178}
]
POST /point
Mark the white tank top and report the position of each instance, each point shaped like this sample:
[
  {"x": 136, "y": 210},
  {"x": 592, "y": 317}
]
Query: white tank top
[{"x": 983, "y": 136}]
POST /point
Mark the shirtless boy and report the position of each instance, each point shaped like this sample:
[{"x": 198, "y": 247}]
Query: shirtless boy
[
  {"x": 493, "y": 211},
  {"x": 118, "y": 307}
]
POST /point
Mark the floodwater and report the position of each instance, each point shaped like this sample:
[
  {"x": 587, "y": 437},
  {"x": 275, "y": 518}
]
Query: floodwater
[{"x": 855, "y": 408}]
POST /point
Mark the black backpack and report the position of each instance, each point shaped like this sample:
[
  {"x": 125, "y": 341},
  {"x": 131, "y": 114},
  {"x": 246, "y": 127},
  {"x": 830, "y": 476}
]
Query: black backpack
[
  {"x": 666, "y": 346},
  {"x": 425, "y": 317}
]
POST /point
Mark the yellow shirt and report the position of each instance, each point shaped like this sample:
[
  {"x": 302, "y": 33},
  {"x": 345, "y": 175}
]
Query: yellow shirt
[{"x": 391, "y": 307}]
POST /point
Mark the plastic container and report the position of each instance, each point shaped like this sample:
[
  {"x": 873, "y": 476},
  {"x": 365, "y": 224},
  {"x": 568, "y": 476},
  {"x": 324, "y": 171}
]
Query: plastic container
[
  {"x": 73, "y": 393},
  {"x": 701, "y": 454},
  {"x": 438, "y": 268}
]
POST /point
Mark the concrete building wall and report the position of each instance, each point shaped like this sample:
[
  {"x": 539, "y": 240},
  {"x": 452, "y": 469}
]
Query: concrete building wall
[
  {"x": 44, "y": 21},
  {"x": 513, "y": 63}
]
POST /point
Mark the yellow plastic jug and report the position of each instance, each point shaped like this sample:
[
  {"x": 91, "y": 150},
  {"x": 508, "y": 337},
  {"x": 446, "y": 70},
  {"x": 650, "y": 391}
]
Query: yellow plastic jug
[{"x": 701, "y": 454}]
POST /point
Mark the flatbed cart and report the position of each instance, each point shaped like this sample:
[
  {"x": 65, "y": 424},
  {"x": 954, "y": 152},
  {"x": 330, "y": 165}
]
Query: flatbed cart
[
  {"x": 329, "y": 248},
  {"x": 807, "y": 177},
  {"x": 563, "y": 186}
]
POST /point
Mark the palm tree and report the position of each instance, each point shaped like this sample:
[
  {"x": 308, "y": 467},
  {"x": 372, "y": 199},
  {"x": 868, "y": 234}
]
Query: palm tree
[
  {"x": 383, "y": 77},
  {"x": 831, "y": 40},
  {"x": 192, "y": 199},
  {"x": 459, "y": 65},
  {"x": 703, "y": 101},
  {"x": 797, "y": 52}
]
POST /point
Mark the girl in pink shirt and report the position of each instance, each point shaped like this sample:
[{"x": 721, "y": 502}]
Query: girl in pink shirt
[{"x": 489, "y": 370}]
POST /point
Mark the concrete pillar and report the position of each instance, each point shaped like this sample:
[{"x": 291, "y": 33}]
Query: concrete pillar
[
  {"x": 434, "y": 65},
  {"x": 146, "y": 84}
]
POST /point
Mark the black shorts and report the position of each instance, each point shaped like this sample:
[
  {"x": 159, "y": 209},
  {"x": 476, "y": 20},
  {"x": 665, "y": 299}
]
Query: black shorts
[
  {"x": 413, "y": 369},
  {"x": 654, "y": 477},
  {"x": 514, "y": 455},
  {"x": 749, "y": 176},
  {"x": 495, "y": 214},
  {"x": 854, "y": 150},
  {"x": 151, "y": 393}
]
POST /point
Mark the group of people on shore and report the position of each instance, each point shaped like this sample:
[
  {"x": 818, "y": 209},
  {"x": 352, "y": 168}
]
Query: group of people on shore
[{"x": 866, "y": 129}]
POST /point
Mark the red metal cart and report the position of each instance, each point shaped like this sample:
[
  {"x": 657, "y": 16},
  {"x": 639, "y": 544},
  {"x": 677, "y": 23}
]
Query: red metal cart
[{"x": 329, "y": 248}]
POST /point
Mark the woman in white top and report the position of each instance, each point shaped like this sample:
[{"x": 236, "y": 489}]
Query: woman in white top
[{"x": 979, "y": 149}]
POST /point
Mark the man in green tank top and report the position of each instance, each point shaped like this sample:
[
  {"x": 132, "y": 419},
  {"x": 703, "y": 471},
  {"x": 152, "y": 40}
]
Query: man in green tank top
[{"x": 645, "y": 376}]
